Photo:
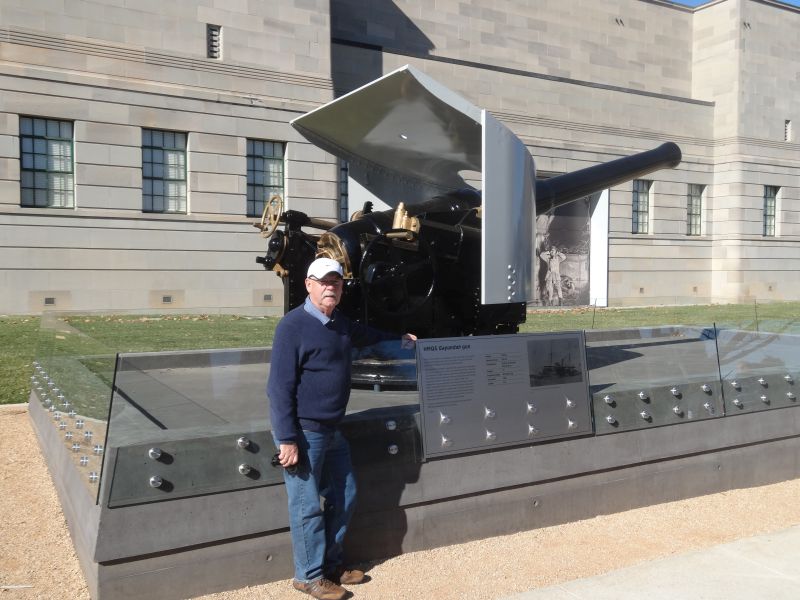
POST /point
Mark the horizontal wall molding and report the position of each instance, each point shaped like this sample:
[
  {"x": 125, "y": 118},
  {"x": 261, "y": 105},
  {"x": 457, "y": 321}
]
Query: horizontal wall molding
[{"x": 121, "y": 52}]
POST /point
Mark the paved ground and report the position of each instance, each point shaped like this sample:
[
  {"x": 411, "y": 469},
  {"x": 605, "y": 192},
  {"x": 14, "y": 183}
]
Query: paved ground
[
  {"x": 694, "y": 549},
  {"x": 762, "y": 566}
]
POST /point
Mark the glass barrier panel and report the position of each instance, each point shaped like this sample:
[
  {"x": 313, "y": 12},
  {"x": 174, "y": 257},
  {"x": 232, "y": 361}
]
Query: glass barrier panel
[
  {"x": 196, "y": 422},
  {"x": 759, "y": 369},
  {"x": 649, "y": 377},
  {"x": 72, "y": 379}
]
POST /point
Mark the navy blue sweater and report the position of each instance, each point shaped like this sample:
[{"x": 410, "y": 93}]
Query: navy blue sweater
[{"x": 309, "y": 376}]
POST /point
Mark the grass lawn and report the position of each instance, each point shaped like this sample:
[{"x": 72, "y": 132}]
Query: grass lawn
[
  {"x": 17, "y": 347},
  {"x": 90, "y": 342},
  {"x": 778, "y": 317}
]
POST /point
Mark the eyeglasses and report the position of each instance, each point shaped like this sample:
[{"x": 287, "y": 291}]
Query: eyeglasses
[{"x": 333, "y": 282}]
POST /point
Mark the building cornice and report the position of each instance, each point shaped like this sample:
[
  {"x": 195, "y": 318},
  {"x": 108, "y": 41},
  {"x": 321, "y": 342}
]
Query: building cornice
[{"x": 152, "y": 57}]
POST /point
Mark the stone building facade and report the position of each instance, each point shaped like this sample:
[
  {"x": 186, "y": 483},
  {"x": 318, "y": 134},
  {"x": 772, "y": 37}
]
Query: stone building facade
[{"x": 130, "y": 134}]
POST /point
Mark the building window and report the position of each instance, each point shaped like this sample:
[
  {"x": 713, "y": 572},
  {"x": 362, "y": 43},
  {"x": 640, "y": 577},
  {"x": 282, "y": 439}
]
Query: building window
[
  {"x": 770, "y": 195},
  {"x": 214, "y": 41},
  {"x": 694, "y": 209},
  {"x": 46, "y": 173},
  {"x": 163, "y": 171},
  {"x": 344, "y": 198},
  {"x": 264, "y": 174},
  {"x": 641, "y": 206}
]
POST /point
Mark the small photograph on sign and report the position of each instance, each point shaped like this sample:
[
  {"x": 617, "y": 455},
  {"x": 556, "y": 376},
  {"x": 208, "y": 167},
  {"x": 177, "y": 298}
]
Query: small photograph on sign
[{"x": 554, "y": 361}]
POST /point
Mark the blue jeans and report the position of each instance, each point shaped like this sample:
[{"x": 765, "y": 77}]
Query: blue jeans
[{"x": 318, "y": 533}]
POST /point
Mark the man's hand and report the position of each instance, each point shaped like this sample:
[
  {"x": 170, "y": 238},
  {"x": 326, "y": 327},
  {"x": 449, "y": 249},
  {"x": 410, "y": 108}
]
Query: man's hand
[
  {"x": 289, "y": 454},
  {"x": 408, "y": 340}
]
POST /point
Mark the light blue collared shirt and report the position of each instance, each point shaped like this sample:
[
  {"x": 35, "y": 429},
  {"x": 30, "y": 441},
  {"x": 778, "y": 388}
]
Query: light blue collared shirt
[{"x": 320, "y": 316}]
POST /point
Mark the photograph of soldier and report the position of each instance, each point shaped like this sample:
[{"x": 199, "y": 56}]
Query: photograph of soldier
[
  {"x": 561, "y": 266},
  {"x": 552, "y": 276}
]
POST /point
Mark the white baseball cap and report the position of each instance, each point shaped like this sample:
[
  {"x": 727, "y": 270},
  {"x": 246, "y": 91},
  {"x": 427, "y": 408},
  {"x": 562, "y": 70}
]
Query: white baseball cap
[{"x": 322, "y": 266}]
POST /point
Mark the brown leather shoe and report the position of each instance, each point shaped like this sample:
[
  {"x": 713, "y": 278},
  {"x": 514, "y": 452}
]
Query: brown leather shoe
[
  {"x": 345, "y": 576},
  {"x": 322, "y": 589}
]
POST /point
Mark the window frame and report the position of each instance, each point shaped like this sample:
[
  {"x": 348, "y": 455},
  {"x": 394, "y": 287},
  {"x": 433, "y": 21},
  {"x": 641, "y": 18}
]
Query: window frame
[
  {"x": 183, "y": 200},
  {"x": 694, "y": 210},
  {"x": 255, "y": 207},
  {"x": 639, "y": 225},
  {"x": 769, "y": 211},
  {"x": 36, "y": 174}
]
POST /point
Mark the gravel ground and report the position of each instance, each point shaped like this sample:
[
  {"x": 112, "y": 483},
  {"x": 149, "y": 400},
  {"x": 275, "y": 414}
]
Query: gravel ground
[{"x": 37, "y": 559}]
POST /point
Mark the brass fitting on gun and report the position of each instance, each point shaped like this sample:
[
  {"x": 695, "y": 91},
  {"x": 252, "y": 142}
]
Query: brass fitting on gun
[{"x": 403, "y": 221}]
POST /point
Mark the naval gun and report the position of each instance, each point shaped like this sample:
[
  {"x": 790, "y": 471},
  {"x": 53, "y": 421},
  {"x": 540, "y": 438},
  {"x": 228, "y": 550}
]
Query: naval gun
[{"x": 453, "y": 253}]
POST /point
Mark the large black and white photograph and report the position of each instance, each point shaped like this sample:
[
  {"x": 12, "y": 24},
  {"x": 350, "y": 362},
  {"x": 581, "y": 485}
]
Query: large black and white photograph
[{"x": 561, "y": 266}]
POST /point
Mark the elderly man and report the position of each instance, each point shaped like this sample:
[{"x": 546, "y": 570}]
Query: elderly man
[{"x": 308, "y": 388}]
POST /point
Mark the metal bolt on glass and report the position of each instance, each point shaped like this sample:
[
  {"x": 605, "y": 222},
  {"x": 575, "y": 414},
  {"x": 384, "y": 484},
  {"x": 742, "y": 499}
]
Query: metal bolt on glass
[
  {"x": 245, "y": 469},
  {"x": 62, "y": 425},
  {"x": 675, "y": 391},
  {"x": 79, "y": 424},
  {"x": 156, "y": 481},
  {"x": 788, "y": 378},
  {"x": 610, "y": 419},
  {"x": 243, "y": 442},
  {"x": 735, "y": 384},
  {"x": 570, "y": 403},
  {"x": 705, "y": 387},
  {"x": 532, "y": 430},
  {"x": 488, "y": 413},
  {"x": 154, "y": 453},
  {"x": 677, "y": 410},
  {"x": 490, "y": 436},
  {"x": 98, "y": 449},
  {"x": 790, "y": 395},
  {"x": 93, "y": 477},
  {"x": 391, "y": 425},
  {"x": 737, "y": 402},
  {"x": 446, "y": 442},
  {"x": 76, "y": 446},
  {"x": 56, "y": 415},
  {"x": 608, "y": 399},
  {"x": 87, "y": 435},
  {"x": 72, "y": 414},
  {"x": 84, "y": 461},
  {"x": 645, "y": 415},
  {"x": 642, "y": 396},
  {"x": 571, "y": 424},
  {"x": 443, "y": 419},
  {"x": 764, "y": 399},
  {"x": 393, "y": 449},
  {"x": 762, "y": 381},
  {"x": 531, "y": 408},
  {"x": 68, "y": 435},
  {"x": 709, "y": 407}
]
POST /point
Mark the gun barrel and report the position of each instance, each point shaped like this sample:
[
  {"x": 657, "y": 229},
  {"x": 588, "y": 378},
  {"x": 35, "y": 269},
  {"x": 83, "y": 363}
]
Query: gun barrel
[{"x": 556, "y": 191}]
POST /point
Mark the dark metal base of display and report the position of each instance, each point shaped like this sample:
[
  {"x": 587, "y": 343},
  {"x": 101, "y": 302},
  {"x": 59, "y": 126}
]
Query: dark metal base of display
[{"x": 198, "y": 545}]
